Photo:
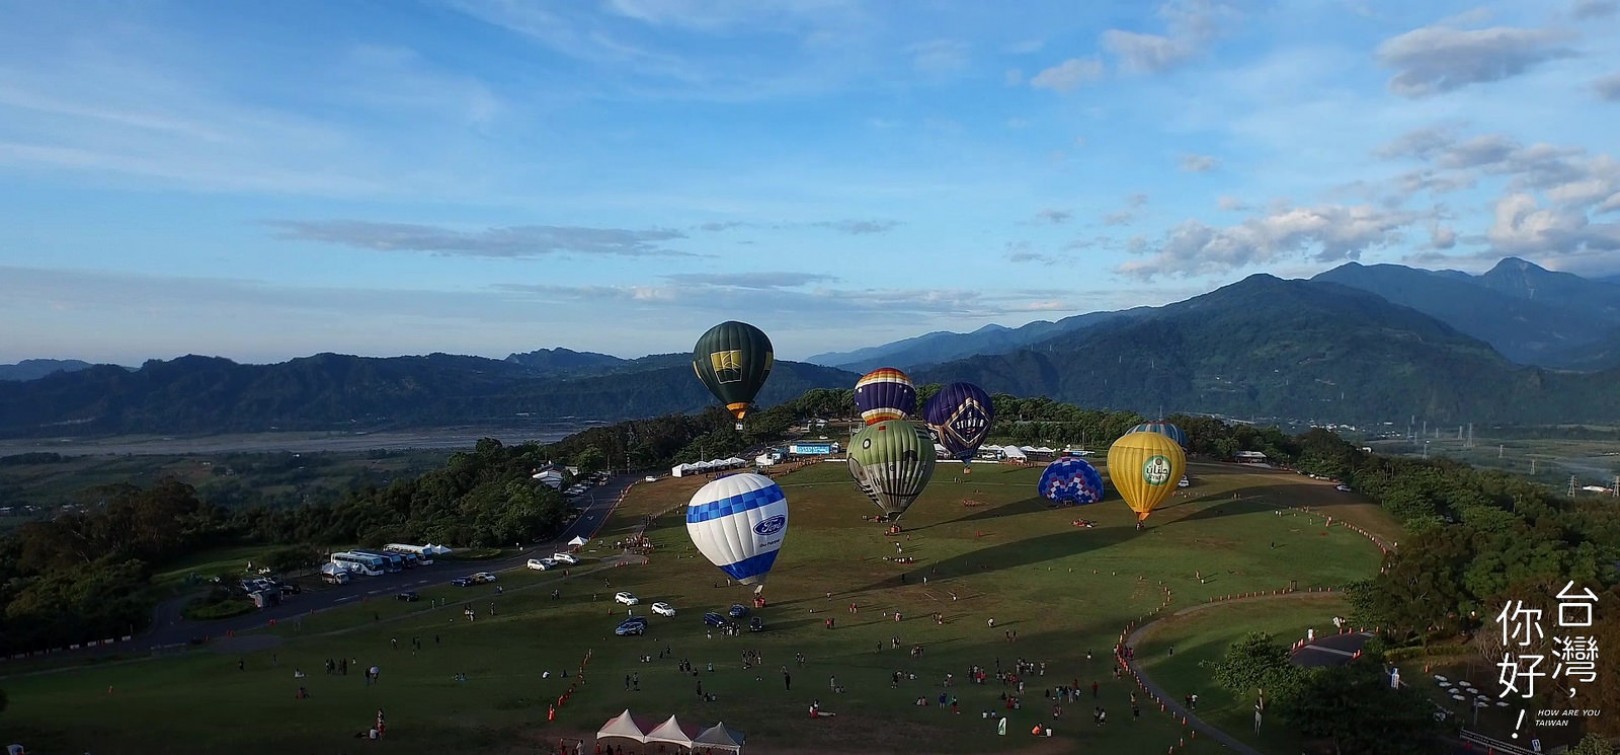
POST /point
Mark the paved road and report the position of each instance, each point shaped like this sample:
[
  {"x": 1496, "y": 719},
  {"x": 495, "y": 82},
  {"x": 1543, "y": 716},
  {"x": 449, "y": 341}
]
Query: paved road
[{"x": 170, "y": 629}]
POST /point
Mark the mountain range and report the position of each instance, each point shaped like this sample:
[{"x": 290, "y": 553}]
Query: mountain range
[
  {"x": 1531, "y": 315},
  {"x": 34, "y": 369},
  {"x": 1357, "y": 344}
]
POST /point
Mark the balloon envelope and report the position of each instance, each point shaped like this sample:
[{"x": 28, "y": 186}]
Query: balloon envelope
[
  {"x": 1162, "y": 428},
  {"x": 961, "y": 415},
  {"x": 739, "y": 523},
  {"x": 1145, "y": 468},
  {"x": 733, "y": 359},
  {"x": 892, "y": 462},
  {"x": 1071, "y": 479},
  {"x": 884, "y": 394}
]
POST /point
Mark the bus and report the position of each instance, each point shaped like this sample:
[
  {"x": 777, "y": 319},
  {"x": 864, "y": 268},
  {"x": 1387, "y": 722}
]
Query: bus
[
  {"x": 412, "y": 558},
  {"x": 392, "y": 562},
  {"x": 360, "y": 563}
]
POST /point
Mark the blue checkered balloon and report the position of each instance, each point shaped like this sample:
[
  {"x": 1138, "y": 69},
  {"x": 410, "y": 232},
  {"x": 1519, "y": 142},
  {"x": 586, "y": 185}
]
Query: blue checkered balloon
[
  {"x": 1070, "y": 479},
  {"x": 739, "y": 523}
]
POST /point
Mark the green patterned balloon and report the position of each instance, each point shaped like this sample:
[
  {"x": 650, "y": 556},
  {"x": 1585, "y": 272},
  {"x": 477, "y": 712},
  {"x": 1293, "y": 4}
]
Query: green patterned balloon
[{"x": 892, "y": 462}]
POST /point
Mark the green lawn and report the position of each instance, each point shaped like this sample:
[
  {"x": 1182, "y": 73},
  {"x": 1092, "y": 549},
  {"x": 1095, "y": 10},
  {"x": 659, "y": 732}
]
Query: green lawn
[
  {"x": 1204, "y": 635},
  {"x": 1064, "y": 590}
]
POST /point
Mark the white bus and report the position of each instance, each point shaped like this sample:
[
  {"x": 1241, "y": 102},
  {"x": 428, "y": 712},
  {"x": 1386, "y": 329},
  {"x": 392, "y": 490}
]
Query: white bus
[
  {"x": 392, "y": 562},
  {"x": 419, "y": 557},
  {"x": 360, "y": 563}
]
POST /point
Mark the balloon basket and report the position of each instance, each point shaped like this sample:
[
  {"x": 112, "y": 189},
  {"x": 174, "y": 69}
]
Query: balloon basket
[{"x": 739, "y": 426}]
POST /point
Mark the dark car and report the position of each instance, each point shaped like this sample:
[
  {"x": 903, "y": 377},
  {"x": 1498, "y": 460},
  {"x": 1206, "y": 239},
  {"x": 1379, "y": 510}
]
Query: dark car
[
  {"x": 408, "y": 597},
  {"x": 756, "y": 624},
  {"x": 462, "y": 581},
  {"x": 738, "y": 610},
  {"x": 715, "y": 620},
  {"x": 631, "y": 626}
]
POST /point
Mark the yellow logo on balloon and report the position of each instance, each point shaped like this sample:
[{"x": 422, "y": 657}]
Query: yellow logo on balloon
[{"x": 725, "y": 362}]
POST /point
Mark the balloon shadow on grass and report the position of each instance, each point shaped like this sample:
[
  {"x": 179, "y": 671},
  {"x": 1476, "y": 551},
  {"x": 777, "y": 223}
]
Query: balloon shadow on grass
[{"x": 996, "y": 558}]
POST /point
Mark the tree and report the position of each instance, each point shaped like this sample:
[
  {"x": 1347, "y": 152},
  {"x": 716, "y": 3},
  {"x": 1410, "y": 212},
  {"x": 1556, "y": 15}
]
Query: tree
[
  {"x": 291, "y": 558},
  {"x": 1591, "y": 744},
  {"x": 590, "y": 460},
  {"x": 1250, "y": 663},
  {"x": 1353, "y": 707}
]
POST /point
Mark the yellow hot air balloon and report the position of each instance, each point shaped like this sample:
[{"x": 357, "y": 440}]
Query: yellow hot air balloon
[{"x": 1144, "y": 468}]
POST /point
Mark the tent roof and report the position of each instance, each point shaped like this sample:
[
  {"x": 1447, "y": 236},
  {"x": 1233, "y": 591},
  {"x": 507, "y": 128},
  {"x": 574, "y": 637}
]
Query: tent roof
[
  {"x": 670, "y": 732},
  {"x": 623, "y": 726},
  {"x": 578, "y": 540},
  {"x": 720, "y": 735},
  {"x": 1014, "y": 452},
  {"x": 735, "y": 460}
]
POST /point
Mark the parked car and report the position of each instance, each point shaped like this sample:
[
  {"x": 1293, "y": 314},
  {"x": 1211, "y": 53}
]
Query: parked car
[
  {"x": 409, "y": 596},
  {"x": 484, "y": 577},
  {"x": 715, "y": 620},
  {"x": 663, "y": 609},
  {"x": 541, "y": 564},
  {"x": 627, "y": 598},
  {"x": 463, "y": 582},
  {"x": 335, "y": 578},
  {"x": 632, "y": 626},
  {"x": 738, "y": 610},
  {"x": 756, "y": 624},
  {"x": 565, "y": 558}
]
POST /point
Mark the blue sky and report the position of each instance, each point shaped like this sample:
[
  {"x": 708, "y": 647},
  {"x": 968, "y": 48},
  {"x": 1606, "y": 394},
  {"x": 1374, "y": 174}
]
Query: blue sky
[{"x": 267, "y": 180}]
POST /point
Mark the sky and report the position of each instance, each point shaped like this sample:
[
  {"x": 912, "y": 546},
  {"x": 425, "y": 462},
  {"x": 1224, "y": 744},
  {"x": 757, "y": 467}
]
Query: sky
[{"x": 261, "y": 181}]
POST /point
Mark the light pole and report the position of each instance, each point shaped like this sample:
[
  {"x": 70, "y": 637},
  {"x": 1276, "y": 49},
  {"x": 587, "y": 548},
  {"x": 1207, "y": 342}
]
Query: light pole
[{"x": 1425, "y": 449}]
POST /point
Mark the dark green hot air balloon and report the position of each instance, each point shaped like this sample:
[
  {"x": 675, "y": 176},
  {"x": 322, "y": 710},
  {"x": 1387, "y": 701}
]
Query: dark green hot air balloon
[{"x": 733, "y": 359}]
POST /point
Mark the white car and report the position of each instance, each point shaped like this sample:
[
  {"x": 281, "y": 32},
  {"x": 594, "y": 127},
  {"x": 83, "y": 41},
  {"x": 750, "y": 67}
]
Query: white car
[
  {"x": 485, "y": 576},
  {"x": 541, "y": 564},
  {"x": 565, "y": 558},
  {"x": 627, "y": 598},
  {"x": 663, "y": 609}
]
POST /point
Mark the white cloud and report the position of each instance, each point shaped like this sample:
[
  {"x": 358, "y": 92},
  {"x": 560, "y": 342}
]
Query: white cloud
[
  {"x": 939, "y": 55},
  {"x": 859, "y": 227},
  {"x": 1522, "y": 226},
  {"x": 1190, "y": 26},
  {"x": 760, "y": 280},
  {"x": 1053, "y": 216},
  {"x": 1133, "y": 206},
  {"x": 1608, "y": 88},
  {"x": 1325, "y": 233},
  {"x": 1198, "y": 163},
  {"x": 1591, "y": 9},
  {"x": 512, "y": 242},
  {"x": 1442, "y": 237},
  {"x": 1437, "y": 59},
  {"x": 1231, "y": 204},
  {"x": 1068, "y": 75}
]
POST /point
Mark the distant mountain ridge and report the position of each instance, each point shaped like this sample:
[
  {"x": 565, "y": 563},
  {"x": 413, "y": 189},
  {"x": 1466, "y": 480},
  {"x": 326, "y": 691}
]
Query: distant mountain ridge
[
  {"x": 195, "y": 394},
  {"x": 944, "y": 346},
  {"x": 34, "y": 369},
  {"x": 1530, "y": 314},
  {"x": 1300, "y": 349}
]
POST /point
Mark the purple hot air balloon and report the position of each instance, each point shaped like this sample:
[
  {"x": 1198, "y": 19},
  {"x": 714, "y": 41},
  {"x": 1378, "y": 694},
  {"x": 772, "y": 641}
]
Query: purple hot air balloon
[{"x": 961, "y": 415}]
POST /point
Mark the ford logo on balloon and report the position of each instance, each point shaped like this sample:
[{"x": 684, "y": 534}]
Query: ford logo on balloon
[{"x": 771, "y": 526}]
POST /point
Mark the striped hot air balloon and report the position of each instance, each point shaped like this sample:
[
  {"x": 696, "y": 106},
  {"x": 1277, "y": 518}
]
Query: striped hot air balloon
[
  {"x": 892, "y": 463},
  {"x": 739, "y": 522},
  {"x": 884, "y": 394},
  {"x": 1163, "y": 428},
  {"x": 1071, "y": 479}
]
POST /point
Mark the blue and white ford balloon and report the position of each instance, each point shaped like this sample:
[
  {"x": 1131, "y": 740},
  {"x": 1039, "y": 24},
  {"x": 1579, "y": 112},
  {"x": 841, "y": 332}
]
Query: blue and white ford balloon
[{"x": 739, "y": 523}]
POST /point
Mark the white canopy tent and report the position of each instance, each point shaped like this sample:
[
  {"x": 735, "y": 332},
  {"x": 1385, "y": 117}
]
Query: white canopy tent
[
  {"x": 718, "y": 738},
  {"x": 622, "y": 726},
  {"x": 1014, "y": 453},
  {"x": 578, "y": 541},
  {"x": 669, "y": 732}
]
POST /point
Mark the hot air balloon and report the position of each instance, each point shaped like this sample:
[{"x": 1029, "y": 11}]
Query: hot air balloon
[
  {"x": 1145, "y": 468},
  {"x": 892, "y": 462},
  {"x": 960, "y": 414},
  {"x": 1163, "y": 428},
  {"x": 884, "y": 394},
  {"x": 738, "y": 522},
  {"x": 1071, "y": 479},
  {"x": 733, "y": 359}
]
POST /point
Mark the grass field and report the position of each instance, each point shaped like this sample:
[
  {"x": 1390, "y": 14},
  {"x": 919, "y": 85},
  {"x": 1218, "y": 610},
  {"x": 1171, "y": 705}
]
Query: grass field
[{"x": 1064, "y": 590}]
